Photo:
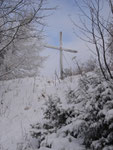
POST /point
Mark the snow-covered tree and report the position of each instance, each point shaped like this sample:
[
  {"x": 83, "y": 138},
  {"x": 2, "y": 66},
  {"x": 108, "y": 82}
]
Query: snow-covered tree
[
  {"x": 21, "y": 28},
  {"x": 24, "y": 61}
]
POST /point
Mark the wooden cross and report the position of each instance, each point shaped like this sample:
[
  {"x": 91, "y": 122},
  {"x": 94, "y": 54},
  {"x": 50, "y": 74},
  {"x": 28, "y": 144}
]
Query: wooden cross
[{"x": 61, "y": 51}]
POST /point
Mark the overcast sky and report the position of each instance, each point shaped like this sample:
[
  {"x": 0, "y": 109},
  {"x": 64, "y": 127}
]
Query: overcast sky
[{"x": 60, "y": 21}]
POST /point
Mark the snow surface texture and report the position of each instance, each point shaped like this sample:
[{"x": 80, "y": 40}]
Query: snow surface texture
[{"x": 21, "y": 104}]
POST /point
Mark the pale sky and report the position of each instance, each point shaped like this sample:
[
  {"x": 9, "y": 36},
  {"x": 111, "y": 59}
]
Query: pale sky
[{"x": 60, "y": 21}]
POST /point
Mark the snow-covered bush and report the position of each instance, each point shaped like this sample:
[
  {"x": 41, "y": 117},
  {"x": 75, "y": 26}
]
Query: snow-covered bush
[
  {"x": 55, "y": 117},
  {"x": 98, "y": 97},
  {"x": 87, "y": 114},
  {"x": 60, "y": 122}
]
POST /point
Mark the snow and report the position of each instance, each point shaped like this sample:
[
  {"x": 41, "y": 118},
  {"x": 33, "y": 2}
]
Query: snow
[
  {"x": 109, "y": 115},
  {"x": 60, "y": 143},
  {"x": 22, "y": 103}
]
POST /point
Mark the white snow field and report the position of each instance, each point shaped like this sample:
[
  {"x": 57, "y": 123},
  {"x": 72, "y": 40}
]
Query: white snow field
[{"x": 21, "y": 104}]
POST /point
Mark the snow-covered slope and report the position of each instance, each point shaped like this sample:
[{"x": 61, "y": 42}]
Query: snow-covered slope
[{"x": 21, "y": 104}]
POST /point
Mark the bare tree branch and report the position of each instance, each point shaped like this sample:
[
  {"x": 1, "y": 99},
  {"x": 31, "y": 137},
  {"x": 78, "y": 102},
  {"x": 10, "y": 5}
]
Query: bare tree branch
[{"x": 99, "y": 31}]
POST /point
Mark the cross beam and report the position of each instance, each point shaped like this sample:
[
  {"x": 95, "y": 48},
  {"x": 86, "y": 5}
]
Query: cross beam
[
  {"x": 64, "y": 49},
  {"x": 61, "y": 50}
]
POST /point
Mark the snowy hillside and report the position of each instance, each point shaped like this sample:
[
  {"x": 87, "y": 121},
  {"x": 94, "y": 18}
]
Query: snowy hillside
[
  {"x": 21, "y": 105},
  {"x": 42, "y": 114}
]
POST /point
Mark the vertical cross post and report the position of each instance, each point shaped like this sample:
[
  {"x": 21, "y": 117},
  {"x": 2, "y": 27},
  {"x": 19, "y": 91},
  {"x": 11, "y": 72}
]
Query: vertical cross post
[
  {"x": 61, "y": 51},
  {"x": 61, "y": 61}
]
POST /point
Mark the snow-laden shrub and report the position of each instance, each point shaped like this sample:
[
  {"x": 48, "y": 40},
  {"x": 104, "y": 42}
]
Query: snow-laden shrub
[
  {"x": 98, "y": 97},
  {"x": 58, "y": 122},
  {"x": 87, "y": 113},
  {"x": 55, "y": 113}
]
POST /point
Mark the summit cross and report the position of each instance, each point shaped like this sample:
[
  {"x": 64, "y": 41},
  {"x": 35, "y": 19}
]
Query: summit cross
[{"x": 61, "y": 49}]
